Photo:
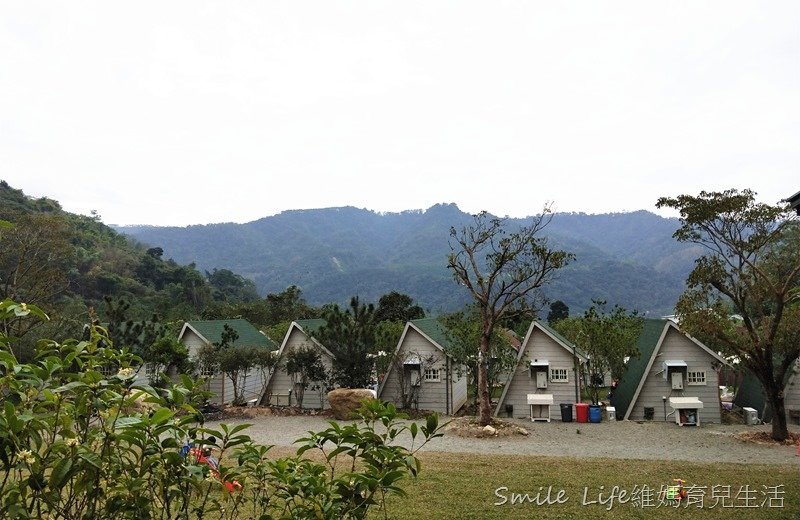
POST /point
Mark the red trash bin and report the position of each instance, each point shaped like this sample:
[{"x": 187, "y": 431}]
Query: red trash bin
[{"x": 582, "y": 412}]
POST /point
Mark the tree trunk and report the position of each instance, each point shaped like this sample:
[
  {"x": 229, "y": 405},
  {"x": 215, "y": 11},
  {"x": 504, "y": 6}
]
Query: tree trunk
[
  {"x": 484, "y": 396},
  {"x": 780, "y": 431}
]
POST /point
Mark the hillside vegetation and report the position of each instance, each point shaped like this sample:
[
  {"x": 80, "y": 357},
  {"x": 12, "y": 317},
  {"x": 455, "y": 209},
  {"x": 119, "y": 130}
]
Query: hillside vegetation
[
  {"x": 69, "y": 264},
  {"x": 331, "y": 254}
]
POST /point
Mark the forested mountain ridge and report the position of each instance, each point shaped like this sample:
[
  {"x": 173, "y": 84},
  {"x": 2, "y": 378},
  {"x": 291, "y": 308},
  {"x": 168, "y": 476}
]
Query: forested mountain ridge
[
  {"x": 333, "y": 253},
  {"x": 68, "y": 265}
]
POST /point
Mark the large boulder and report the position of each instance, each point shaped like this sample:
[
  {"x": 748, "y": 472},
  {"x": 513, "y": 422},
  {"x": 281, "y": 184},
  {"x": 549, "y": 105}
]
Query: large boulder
[{"x": 344, "y": 401}]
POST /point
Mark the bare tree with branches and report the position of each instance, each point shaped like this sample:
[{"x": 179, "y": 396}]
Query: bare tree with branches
[{"x": 504, "y": 272}]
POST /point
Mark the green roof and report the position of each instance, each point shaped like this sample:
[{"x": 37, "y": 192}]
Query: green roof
[
  {"x": 634, "y": 370},
  {"x": 311, "y": 326},
  {"x": 434, "y": 329},
  {"x": 751, "y": 394},
  {"x": 248, "y": 334}
]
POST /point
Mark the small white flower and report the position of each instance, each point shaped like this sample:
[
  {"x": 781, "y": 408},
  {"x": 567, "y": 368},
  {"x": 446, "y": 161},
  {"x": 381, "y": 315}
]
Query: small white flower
[
  {"x": 72, "y": 442},
  {"x": 125, "y": 373},
  {"x": 26, "y": 456}
]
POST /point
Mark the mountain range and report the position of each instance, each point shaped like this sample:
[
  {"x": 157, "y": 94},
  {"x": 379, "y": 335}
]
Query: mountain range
[{"x": 331, "y": 254}]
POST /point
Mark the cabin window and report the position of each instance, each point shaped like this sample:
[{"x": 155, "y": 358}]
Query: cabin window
[
  {"x": 559, "y": 375},
  {"x": 107, "y": 370},
  {"x": 207, "y": 370},
  {"x": 151, "y": 370},
  {"x": 432, "y": 374},
  {"x": 697, "y": 377}
]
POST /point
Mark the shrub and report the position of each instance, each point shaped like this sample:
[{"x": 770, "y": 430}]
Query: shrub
[{"x": 75, "y": 443}]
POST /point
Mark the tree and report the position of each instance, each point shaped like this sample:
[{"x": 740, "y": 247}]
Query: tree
[
  {"x": 35, "y": 257},
  {"x": 609, "y": 338},
  {"x": 351, "y": 336},
  {"x": 753, "y": 267},
  {"x": 396, "y": 306},
  {"x": 463, "y": 331},
  {"x": 408, "y": 383},
  {"x": 286, "y": 306},
  {"x": 151, "y": 340},
  {"x": 387, "y": 336},
  {"x": 127, "y": 333},
  {"x": 558, "y": 311},
  {"x": 504, "y": 273},
  {"x": 304, "y": 366},
  {"x": 228, "y": 286},
  {"x": 234, "y": 361},
  {"x": 165, "y": 354}
]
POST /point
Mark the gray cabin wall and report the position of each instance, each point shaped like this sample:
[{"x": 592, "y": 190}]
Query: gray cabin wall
[
  {"x": 216, "y": 385},
  {"x": 539, "y": 346},
  {"x": 676, "y": 346},
  {"x": 220, "y": 386},
  {"x": 281, "y": 382},
  {"x": 432, "y": 395},
  {"x": 459, "y": 387}
]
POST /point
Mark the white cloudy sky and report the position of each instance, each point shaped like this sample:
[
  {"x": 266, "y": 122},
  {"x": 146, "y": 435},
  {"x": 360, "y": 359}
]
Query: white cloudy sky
[{"x": 176, "y": 113}]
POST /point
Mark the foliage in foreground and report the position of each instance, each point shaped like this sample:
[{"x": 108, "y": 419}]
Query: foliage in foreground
[{"x": 76, "y": 444}]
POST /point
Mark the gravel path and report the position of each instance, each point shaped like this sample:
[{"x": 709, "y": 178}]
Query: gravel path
[{"x": 619, "y": 440}]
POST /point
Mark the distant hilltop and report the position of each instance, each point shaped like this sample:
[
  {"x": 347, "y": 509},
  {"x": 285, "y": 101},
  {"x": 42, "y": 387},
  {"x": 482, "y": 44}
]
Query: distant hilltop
[{"x": 628, "y": 258}]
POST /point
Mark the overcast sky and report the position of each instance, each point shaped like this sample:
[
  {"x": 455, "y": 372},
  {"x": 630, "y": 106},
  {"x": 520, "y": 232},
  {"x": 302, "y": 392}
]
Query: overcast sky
[{"x": 177, "y": 113}]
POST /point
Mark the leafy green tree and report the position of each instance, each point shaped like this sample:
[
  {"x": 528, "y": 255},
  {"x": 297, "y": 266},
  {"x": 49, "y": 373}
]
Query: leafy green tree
[
  {"x": 274, "y": 309},
  {"x": 228, "y": 286},
  {"x": 265, "y": 362},
  {"x": 463, "y": 330},
  {"x": 234, "y": 361},
  {"x": 753, "y": 265},
  {"x": 351, "y": 335},
  {"x": 128, "y": 333},
  {"x": 304, "y": 366},
  {"x": 166, "y": 355},
  {"x": 609, "y": 338},
  {"x": 503, "y": 273},
  {"x": 558, "y": 311},
  {"x": 287, "y": 305},
  {"x": 35, "y": 258},
  {"x": 395, "y": 306}
]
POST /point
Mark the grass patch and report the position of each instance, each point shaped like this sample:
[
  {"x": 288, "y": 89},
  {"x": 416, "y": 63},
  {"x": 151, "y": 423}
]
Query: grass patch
[{"x": 454, "y": 485}]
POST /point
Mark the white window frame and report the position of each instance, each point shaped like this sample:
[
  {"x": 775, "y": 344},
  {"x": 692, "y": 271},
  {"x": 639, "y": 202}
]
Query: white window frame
[
  {"x": 696, "y": 378},
  {"x": 432, "y": 375},
  {"x": 150, "y": 370},
  {"x": 108, "y": 370},
  {"x": 559, "y": 375},
  {"x": 207, "y": 371}
]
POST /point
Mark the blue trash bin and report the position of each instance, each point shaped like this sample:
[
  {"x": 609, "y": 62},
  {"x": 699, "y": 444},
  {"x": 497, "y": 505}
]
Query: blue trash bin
[{"x": 595, "y": 413}]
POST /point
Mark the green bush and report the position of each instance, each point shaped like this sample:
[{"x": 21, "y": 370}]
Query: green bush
[{"x": 78, "y": 444}]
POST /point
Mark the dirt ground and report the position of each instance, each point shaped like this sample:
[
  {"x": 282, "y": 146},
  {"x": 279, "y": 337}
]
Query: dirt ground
[{"x": 735, "y": 443}]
